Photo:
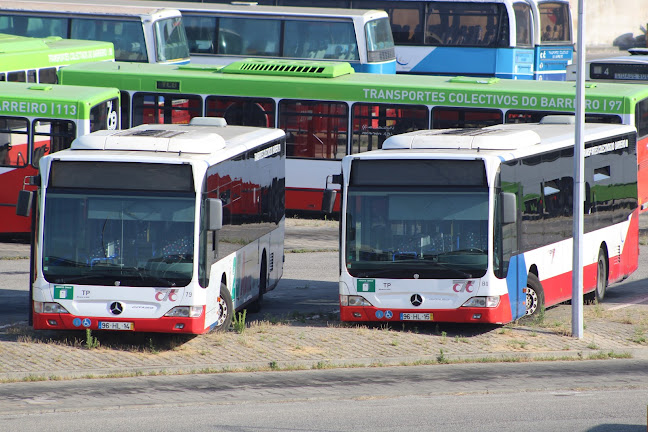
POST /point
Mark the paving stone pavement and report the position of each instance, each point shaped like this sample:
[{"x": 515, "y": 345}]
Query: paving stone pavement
[{"x": 320, "y": 341}]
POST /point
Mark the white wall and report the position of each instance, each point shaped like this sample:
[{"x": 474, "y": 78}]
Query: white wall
[{"x": 607, "y": 20}]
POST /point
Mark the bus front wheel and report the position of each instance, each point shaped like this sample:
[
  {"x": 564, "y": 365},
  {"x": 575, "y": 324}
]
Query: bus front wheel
[
  {"x": 225, "y": 309},
  {"x": 534, "y": 295},
  {"x": 598, "y": 294}
]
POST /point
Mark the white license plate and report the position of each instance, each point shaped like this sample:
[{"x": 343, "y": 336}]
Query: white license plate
[
  {"x": 108, "y": 325},
  {"x": 416, "y": 317}
]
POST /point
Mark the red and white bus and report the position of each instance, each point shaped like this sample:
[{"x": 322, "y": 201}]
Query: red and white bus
[
  {"x": 159, "y": 228},
  {"x": 476, "y": 225}
]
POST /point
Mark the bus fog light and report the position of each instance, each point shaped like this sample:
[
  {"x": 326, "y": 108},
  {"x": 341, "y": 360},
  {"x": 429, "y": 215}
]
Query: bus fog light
[
  {"x": 484, "y": 302},
  {"x": 346, "y": 300},
  {"x": 185, "y": 312},
  {"x": 47, "y": 307},
  {"x": 52, "y": 322}
]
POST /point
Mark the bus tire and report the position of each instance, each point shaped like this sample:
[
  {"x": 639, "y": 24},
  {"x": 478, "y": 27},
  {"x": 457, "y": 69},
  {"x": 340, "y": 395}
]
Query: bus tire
[
  {"x": 226, "y": 310},
  {"x": 598, "y": 294},
  {"x": 534, "y": 295},
  {"x": 256, "y": 305}
]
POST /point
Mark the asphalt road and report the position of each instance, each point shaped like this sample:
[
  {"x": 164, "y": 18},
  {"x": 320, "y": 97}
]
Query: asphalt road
[{"x": 547, "y": 396}]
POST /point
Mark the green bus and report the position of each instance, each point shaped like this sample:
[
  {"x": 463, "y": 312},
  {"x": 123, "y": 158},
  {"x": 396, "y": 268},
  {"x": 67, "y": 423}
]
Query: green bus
[
  {"x": 26, "y": 59},
  {"x": 329, "y": 111},
  {"x": 38, "y": 119}
]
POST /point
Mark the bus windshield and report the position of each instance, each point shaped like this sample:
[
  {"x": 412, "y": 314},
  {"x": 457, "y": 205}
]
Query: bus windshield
[
  {"x": 171, "y": 39},
  {"x": 555, "y": 23},
  {"x": 380, "y": 42},
  {"x": 467, "y": 24},
  {"x": 402, "y": 232},
  {"x": 131, "y": 239}
]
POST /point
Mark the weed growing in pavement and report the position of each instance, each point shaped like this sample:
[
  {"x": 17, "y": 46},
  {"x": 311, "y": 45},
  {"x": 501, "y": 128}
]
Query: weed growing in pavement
[
  {"x": 639, "y": 336},
  {"x": 515, "y": 343},
  {"x": 592, "y": 345},
  {"x": 238, "y": 321},
  {"x": 597, "y": 310},
  {"x": 601, "y": 355},
  {"x": 273, "y": 365},
  {"x": 643, "y": 240},
  {"x": 91, "y": 342},
  {"x": 441, "y": 358},
  {"x": 322, "y": 365},
  {"x": 444, "y": 337},
  {"x": 152, "y": 347}
]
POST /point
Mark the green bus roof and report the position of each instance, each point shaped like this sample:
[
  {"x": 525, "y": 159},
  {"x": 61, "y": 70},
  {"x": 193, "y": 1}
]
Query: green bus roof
[
  {"x": 608, "y": 98},
  {"x": 20, "y": 53},
  {"x": 51, "y": 100}
]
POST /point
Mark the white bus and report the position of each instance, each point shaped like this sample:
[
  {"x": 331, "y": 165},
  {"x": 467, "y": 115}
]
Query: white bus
[
  {"x": 158, "y": 228},
  {"x": 632, "y": 67},
  {"x": 145, "y": 34},
  {"x": 221, "y": 34},
  {"x": 475, "y": 225}
]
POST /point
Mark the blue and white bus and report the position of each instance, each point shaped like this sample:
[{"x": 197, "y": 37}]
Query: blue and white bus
[
  {"x": 519, "y": 39},
  {"x": 221, "y": 34},
  {"x": 141, "y": 34}
]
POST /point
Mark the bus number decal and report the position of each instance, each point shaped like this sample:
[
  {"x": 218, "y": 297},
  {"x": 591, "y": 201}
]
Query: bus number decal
[
  {"x": 64, "y": 109},
  {"x": 112, "y": 116}
]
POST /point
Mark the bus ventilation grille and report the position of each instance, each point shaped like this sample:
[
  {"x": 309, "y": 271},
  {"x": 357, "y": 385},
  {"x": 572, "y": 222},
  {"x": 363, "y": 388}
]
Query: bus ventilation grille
[{"x": 289, "y": 68}]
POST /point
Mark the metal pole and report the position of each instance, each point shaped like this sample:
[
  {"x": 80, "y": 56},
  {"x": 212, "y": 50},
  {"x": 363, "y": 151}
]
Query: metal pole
[{"x": 579, "y": 189}]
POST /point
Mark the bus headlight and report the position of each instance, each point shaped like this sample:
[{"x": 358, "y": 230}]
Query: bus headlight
[
  {"x": 185, "y": 312},
  {"x": 483, "y": 302},
  {"x": 351, "y": 300},
  {"x": 49, "y": 307}
]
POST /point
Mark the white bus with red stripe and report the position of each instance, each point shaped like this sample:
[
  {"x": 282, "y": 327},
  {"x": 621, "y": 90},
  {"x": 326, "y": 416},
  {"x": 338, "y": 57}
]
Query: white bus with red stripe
[
  {"x": 159, "y": 228},
  {"x": 475, "y": 225}
]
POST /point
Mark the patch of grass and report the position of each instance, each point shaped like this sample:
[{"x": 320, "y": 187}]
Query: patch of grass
[
  {"x": 593, "y": 346},
  {"x": 444, "y": 337},
  {"x": 91, "y": 342},
  {"x": 639, "y": 336},
  {"x": 441, "y": 358},
  {"x": 238, "y": 321},
  {"x": 517, "y": 344},
  {"x": 602, "y": 355}
]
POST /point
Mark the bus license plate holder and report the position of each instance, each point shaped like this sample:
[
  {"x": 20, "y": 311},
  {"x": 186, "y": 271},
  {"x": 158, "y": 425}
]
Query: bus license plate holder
[
  {"x": 416, "y": 316},
  {"x": 113, "y": 325}
]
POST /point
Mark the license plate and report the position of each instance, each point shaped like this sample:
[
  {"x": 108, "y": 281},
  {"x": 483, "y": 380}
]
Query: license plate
[
  {"x": 416, "y": 317},
  {"x": 108, "y": 325}
]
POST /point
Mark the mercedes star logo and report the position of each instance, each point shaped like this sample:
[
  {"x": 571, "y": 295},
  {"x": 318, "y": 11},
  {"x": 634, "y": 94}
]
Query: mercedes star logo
[
  {"x": 416, "y": 300},
  {"x": 116, "y": 308}
]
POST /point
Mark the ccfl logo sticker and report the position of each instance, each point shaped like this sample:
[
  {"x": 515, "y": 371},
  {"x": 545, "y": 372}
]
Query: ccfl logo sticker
[
  {"x": 461, "y": 286},
  {"x": 171, "y": 295}
]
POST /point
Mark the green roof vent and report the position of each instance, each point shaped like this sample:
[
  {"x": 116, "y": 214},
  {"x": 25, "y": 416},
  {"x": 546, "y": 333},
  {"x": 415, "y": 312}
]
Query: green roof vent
[
  {"x": 474, "y": 80},
  {"x": 303, "y": 68}
]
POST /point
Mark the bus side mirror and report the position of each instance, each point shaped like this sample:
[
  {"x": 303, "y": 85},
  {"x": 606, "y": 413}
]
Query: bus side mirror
[
  {"x": 24, "y": 204},
  {"x": 509, "y": 201},
  {"x": 328, "y": 200},
  {"x": 214, "y": 214}
]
